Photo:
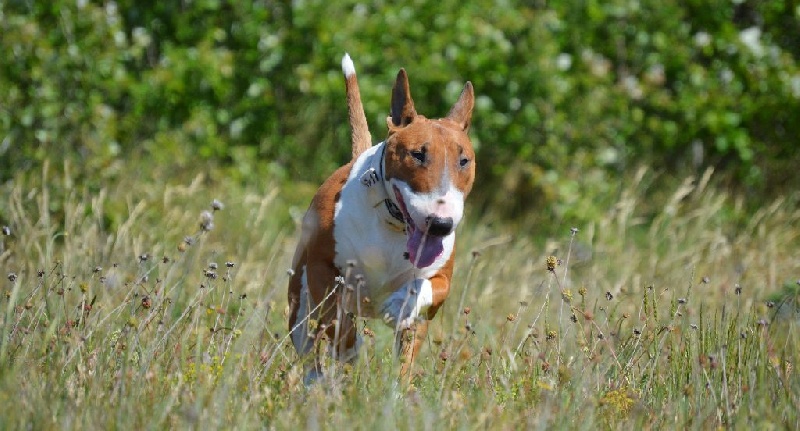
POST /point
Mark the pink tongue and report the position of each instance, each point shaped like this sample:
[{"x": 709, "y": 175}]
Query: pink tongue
[{"x": 428, "y": 252}]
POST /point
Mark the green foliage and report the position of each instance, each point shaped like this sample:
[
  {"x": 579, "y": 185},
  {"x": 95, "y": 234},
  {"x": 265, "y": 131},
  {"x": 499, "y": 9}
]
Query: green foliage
[{"x": 570, "y": 94}]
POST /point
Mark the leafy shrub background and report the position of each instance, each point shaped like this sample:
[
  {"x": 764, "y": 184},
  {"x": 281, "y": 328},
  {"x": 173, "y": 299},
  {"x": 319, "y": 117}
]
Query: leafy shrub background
[{"x": 573, "y": 95}]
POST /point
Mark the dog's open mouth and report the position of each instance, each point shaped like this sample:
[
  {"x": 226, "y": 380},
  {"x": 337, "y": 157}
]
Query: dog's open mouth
[{"x": 423, "y": 249}]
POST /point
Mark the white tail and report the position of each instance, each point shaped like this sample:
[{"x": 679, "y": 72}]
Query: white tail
[{"x": 359, "y": 128}]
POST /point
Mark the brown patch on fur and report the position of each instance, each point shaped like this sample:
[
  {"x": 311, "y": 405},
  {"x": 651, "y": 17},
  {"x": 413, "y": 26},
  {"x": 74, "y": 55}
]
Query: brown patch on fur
[
  {"x": 321, "y": 272},
  {"x": 359, "y": 130}
]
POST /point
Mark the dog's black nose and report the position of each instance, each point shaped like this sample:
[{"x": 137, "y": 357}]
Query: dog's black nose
[{"x": 440, "y": 226}]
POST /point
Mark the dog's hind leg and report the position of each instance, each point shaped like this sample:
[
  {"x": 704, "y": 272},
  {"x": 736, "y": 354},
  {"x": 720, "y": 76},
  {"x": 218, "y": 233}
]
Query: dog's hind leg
[{"x": 316, "y": 314}]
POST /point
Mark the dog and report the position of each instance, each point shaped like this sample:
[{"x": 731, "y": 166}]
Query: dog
[{"x": 378, "y": 238}]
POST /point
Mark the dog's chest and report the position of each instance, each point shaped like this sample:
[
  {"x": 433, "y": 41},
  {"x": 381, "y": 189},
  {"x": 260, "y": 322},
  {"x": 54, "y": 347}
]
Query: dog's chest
[{"x": 369, "y": 245}]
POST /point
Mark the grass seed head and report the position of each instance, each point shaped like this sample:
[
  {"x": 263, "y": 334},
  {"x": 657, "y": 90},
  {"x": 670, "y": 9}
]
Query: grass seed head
[
  {"x": 206, "y": 221},
  {"x": 551, "y": 263}
]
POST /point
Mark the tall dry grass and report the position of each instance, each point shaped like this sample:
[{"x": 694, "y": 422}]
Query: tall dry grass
[{"x": 148, "y": 305}]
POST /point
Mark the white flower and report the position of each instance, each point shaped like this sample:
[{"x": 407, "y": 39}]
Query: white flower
[
  {"x": 702, "y": 39},
  {"x": 563, "y": 62},
  {"x": 751, "y": 38}
]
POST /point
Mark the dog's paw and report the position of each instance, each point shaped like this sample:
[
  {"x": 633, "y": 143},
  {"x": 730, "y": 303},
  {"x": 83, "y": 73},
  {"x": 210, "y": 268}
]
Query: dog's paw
[{"x": 407, "y": 304}]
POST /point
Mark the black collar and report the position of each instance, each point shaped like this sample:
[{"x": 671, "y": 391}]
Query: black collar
[{"x": 392, "y": 207}]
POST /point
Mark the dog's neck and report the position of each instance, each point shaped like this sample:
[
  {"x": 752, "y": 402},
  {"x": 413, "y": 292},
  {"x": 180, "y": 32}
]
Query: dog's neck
[{"x": 373, "y": 178}]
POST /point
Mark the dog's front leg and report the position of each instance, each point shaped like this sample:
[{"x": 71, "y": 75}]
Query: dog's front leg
[{"x": 409, "y": 340}]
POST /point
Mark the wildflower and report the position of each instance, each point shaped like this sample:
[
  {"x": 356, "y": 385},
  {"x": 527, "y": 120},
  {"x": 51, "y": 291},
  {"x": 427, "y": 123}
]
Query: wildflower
[
  {"x": 146, "y": 302},
  {"x": 217, "y": 205},
  {"x": 229, "y": 264},
  {"x": 551, "y": 334},
  {"x": 467, "y": 310},
  {"x": 693, "y": 326},
  {"x": 143, "y": 257},
  {"x": 573, "y": 318},
  {"x": 609, "y": 296},
  {"x": 706, "y": 280},
  {"x": 762, "y": 322},
  {"x": 6, "y": 231},
  {"x": 574, "y": 230},
  {"x": 206, "y": 221},
  {"x": 582, "y": 291},
  {"x": 566, "y": 295},
  {"x": 12, "y": 277},
  {"x": 511, "y": 317},
  {"x": 212, "y": 265},
  {"x": 770, "y": 304},
  {"x": 551, "y": 261},
  {"x": 97, "y": 269},
  {"x": 681, "y": 300},
  {"x": 619, "y": 400},
  {"x": 165, "y": 259},
  {"x": 738, "y": 289}
]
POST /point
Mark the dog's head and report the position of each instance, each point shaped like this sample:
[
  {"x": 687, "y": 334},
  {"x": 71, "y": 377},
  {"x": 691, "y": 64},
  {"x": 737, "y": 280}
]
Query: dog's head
[{"x": 429, "y": 169}]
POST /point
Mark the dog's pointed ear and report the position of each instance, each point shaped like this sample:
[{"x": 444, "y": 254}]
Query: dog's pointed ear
[
  {"x": 403, "y": 111},
  {"x": 461, "y": 112}
]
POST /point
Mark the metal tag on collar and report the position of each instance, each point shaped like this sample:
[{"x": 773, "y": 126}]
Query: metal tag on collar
[{"x": 369, "y": 178}]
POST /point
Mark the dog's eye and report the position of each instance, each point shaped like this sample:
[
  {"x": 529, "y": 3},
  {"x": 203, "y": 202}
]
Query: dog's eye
[
  {"x": 418, "y": 155},
  {"x": 463, "y": 162}
]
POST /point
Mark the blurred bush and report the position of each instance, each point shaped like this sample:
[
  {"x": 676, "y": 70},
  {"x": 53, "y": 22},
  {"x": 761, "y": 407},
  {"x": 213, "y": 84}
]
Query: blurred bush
[{"x": 572, "y": 95}]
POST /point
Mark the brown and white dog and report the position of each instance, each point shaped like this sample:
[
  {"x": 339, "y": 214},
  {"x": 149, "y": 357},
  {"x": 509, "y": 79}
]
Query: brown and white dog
[{"x": 377, "y": 240}]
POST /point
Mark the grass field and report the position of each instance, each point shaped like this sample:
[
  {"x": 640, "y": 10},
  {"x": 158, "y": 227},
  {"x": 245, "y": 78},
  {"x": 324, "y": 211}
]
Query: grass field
[{"x": 141, "y": 306}]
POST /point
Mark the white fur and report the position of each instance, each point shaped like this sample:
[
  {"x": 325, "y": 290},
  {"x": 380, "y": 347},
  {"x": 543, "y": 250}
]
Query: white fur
[
  {"x": 405, "y": 305},
  {"x": 348, "y": 68}
]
